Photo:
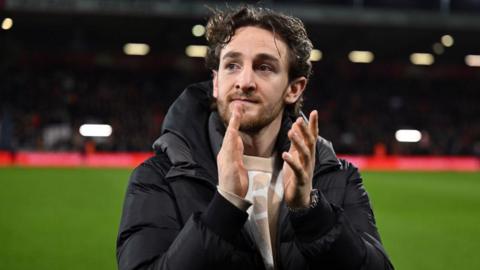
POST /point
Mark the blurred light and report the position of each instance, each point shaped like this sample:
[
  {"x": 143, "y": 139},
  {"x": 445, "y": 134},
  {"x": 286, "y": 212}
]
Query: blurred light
[
  {"x": 198, "y": 30},
  {"x": 196, "y": 50},
  {"x": 438, "y": 48},
  {"x": 315, "y": 55},
  {"x": 136, "y": 49},
  {"x": 361, "y": 56},
  {"x": 7, "y": 23},
  {"x": 408, "y": 135},
  {"x": 447, "y": 40},
  {"x": 424, "y": 59},
  {"x": 472, "y": 60},
  {"x": 95, "y": 130}
]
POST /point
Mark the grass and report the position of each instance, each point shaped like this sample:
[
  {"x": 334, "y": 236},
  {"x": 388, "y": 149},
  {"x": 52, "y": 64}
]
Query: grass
[
  {"x": 68, "y": 218},
  {"x": 428, "y": 220},
  {"x": 60, "y": 218}
]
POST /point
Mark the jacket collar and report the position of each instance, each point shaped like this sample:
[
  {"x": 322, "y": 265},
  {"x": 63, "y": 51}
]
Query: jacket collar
[
  {"x": 183, "y": 137},
  {"x": 189, "y": 147}
]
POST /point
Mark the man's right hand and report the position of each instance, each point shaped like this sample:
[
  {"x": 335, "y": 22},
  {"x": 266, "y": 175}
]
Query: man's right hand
[{"x": 232, "y": 175}]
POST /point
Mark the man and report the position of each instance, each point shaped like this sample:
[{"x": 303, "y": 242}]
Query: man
[{"x": 247, "y": 184}]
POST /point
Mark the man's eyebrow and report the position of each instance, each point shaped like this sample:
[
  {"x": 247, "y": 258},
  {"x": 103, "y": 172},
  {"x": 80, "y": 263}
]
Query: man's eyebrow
[
  {"x": 232, "y": 54},
  {"x": 261, "y": 56},
  {"x": 268, "y": 57}
]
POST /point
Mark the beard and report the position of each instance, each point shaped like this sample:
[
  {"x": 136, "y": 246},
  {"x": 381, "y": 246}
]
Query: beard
[{"x": 251, "y": 123}]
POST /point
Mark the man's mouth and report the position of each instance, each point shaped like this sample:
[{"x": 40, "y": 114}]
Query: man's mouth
[{"x": 244, "y": 100}]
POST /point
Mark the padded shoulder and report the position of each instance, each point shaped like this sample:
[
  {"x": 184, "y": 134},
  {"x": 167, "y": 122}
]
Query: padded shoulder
[{"x": 152, "y": 170}]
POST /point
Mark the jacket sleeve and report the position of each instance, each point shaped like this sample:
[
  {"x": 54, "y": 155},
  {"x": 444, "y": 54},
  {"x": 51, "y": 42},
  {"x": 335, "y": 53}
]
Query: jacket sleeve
[
  {"x": 151, "y": 235},
  {"x": 341, "y": 237}
]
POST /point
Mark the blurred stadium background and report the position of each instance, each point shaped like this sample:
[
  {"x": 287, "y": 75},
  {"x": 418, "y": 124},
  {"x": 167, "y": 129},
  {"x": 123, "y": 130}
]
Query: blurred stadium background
[{"x": 396, "y": 82}]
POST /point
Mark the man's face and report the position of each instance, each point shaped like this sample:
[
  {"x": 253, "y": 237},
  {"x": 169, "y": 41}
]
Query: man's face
[{"x": 253, "y": 72}]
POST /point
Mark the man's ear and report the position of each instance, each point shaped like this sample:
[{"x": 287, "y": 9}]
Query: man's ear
[
  {"x": 295, "y": 90},
  {"x": 215, "y": 83}
]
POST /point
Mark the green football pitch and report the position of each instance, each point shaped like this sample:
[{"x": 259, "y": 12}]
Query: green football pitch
[{"x": 68, "y": 218}]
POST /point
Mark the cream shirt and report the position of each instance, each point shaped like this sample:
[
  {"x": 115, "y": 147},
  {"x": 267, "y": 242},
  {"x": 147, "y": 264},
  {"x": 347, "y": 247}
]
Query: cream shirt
[{"x": 265, "y": 193}]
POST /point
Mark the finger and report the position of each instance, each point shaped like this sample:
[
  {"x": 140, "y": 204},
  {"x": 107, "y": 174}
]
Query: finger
[
  {"x": 234, "y": 122},
  {"x": 299, "y": 145},
  {"x": 313, "y": 123},
  {"x": 305, "y": 132},
  {"x": 294, "y": 164},
  {"x": 231, "y": 139}
]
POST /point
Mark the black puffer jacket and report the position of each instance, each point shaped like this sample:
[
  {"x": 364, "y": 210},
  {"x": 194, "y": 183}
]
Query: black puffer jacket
[{"x": 173, "y": 217}]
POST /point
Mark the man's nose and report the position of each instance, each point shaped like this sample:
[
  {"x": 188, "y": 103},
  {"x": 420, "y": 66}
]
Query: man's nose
[{"x": 246, "y": 80}]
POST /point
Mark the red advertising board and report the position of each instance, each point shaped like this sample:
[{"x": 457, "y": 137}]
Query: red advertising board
[{"x": 131, "y": 160}]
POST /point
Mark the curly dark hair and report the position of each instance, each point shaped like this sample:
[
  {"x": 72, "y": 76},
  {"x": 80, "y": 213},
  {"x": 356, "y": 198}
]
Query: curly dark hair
[{"x": 222, "y": 25}]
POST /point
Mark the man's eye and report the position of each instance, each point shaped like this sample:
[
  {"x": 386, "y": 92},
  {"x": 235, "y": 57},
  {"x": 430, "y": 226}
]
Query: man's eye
[
  {"x": 231, "y": 66},
  {"x": 265, "y": 67}
]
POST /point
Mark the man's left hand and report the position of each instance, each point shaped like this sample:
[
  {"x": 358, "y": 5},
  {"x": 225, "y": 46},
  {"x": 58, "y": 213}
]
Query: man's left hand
[{"x": 300, "y": 161}]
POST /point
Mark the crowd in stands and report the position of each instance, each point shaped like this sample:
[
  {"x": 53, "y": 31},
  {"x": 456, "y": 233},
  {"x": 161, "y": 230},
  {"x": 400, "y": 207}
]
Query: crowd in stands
[
  {"x": 42, "y": 110},
  {"x": 362, "y": 116},
  {"x": 46, "y": 110}
]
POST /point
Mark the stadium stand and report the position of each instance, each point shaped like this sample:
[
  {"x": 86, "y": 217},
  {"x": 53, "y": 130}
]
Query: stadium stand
[
  {"x": 61, "y": 70},
  {"x": 43, "y": 111}
]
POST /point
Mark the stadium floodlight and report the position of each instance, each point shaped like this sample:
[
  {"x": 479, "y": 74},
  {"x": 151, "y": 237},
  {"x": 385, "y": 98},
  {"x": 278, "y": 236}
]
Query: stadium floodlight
[
  {"x": 315, "y": 55},
  {"x": 95, "y": 130},
  {"x": 196, "y": 50},
  {"x": 361, "y": 56},
  {"x": 7, "y": 23},
  {"x": 447, "y": 40},
  {"x": 198, "y": 30},
  {"x": 472, "y": 60},
  {"x": 408, "y": 135},
  {"x": 423, "y": 59},
  {"x": 136, "y": 49}
]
